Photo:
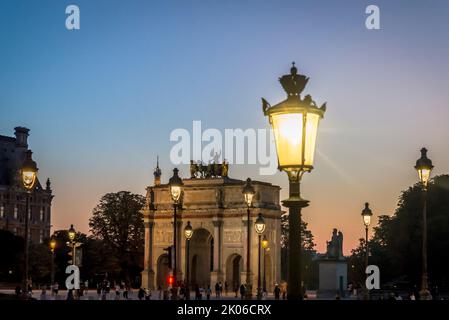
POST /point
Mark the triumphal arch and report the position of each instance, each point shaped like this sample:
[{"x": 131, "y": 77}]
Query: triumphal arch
[{"x": 214, "y": 204}]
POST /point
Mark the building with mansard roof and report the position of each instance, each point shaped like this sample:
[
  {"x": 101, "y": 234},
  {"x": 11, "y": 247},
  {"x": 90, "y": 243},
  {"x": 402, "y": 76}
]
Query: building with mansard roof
[{"x": 13, "y": 151}]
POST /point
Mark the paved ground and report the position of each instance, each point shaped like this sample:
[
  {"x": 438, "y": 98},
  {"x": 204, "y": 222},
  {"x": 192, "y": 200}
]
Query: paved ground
[{"x": 92, "y": 295}]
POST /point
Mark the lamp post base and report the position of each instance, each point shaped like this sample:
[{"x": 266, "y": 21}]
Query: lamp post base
[
  {"x": 425, "y": 294},
  {"x": 248, "y": 292}
]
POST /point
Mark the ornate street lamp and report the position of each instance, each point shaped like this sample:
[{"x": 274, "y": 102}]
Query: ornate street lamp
[
  {"x": 175, "y": 184},
  {"x": 248, "y": 192},
  {"x": 188, "y": 233},
  {"x": 72, "y": 234},
  {"x": 29, "y": 177},
  {"x": 259, "y": 225},
  {"x": 52, "y": 249},
  {"x": 265, "y": 250},
  {"x": 366, "y": 215},
  {"x": 295, "y": 125},
  {"x": 424, "y": 167}
]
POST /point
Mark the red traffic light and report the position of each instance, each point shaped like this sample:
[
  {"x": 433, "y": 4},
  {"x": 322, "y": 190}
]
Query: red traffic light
[{"x": 170, "y": 280}]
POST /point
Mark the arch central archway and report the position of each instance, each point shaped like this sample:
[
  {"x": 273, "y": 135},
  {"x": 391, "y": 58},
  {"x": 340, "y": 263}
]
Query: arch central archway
[
  {"x": 234, "y": 268},
  {"x": 201, "y": 257},
  {"x": 162, "y": 271}
]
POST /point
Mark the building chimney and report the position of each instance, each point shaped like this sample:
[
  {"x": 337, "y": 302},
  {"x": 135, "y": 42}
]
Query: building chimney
[{"x": 21, "y": 134}]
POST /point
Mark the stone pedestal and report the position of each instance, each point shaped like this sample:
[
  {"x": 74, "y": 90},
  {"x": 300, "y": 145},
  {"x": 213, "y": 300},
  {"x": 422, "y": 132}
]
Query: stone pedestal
[{"x": 332, "y": 278}]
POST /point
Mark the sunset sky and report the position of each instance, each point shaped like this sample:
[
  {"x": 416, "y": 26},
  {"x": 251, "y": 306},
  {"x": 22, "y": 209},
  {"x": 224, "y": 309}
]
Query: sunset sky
[{"x": 101, "y": 101}]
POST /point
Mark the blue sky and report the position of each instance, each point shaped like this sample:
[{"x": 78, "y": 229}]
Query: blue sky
[{"x": 101, "y": 101}]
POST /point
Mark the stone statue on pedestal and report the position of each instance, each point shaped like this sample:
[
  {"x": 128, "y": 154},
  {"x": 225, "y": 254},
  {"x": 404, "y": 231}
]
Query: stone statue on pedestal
[{"x": 335, "y": 246}]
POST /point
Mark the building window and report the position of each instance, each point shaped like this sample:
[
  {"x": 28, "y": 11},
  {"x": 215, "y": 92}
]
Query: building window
[
  {"x": 42, "y": 214},
  {"x": 2, "y": 211},
  {"x": 41, "y": 236},
  {"x": 15, "y": 211}
]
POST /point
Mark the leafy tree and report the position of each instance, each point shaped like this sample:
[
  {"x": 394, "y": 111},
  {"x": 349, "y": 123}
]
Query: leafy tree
[
  {"x": 117, "y": 221},
  {"x": 396, "y": 246}
]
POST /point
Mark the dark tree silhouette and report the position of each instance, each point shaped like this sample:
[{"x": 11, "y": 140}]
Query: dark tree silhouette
[
  {"x": 397, "y": 240},
  {"x": 117, "y": 221}
]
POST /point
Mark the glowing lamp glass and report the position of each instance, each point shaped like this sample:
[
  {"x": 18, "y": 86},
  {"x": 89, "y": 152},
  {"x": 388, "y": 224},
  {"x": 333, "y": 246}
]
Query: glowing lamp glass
[
  {"x": 175, "y": 192},
  {"x": 265, "y": 243},
  {"x": 367, "y": 220},
  {"x": 28, "y": 178},
  {"x": 295, "y": 138},
  {"x": 259, "y": 225},
  {"x": 424, "y": 175}
]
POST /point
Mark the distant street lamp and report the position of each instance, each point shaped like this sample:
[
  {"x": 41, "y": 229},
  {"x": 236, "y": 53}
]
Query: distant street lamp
[
  {"x": 248, "y": 193},
  {"x": 29, "y": 178},
  {"x": 175, "y": 183},
  {"x": 366, "y": 215},
  {"x": 424, "y": 167},
  {"x": 259, "y": 225},
  {"x": 72, "y": 234},
  {"x": 265, "y": 250},
  {"x": 188, "y": 233},
  {"x": 295, "y": 125},
  {"x": 52, "y": 249}
]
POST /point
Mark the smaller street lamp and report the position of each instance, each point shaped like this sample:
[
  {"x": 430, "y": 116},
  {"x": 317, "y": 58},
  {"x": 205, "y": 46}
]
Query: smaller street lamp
[
  {"x": 259, "y": 225},
  {"x": 248, "y": 192},
  {"x": 72, "y": 235},
  {"x": 175, "y": 184},
  {"x": 265, "y": 250},
  {"x": 424, "y": 167},
  {"x": 29, "y": 177},
  {"x": 52, "y": 249},
  {"x": 366, "y": 215},
  {"x": 188, "y": 233}
]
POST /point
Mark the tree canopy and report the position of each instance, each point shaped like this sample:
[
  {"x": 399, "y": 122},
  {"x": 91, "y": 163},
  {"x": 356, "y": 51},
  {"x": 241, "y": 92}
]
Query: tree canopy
[
  {"x": 118, "y": 222},
  {"x": 396, "y": 245}
]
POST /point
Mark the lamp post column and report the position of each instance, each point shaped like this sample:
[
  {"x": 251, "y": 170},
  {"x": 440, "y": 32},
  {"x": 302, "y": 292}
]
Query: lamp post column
[
  {"x": 294, "y": 203},
  {"x": 52, "y": 276},
  {"x": 175, "y": 269},
  {"x": 26, "y": 246},
  {"x": 366, "y": 247},
  {"x": 259, "y": 280},
  {"x": 248, "y": 255},
  {"x": 264, "y": 272},
  {"x": 425, "y": 294},
  {"x": 188, "y": 269}
]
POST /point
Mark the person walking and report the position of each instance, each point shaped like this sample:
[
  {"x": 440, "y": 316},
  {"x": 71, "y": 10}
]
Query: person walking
[
  {"x": 56, "y": 289},
  {"x": 197, "y": 293},
  {"x": 277, "y": 291},
  {"x": 217, "y": 290},
  {"x": 226, "y": 288},
  {"x": 208, "y": 292},
  {"x": 242, "y": 291},
  {"x": 141, "y": 294},
  {"x": 125, "y": 293}
]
